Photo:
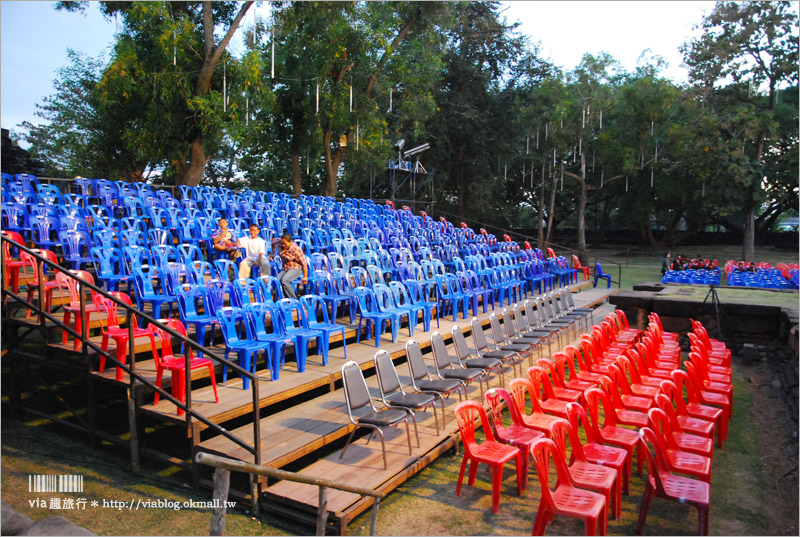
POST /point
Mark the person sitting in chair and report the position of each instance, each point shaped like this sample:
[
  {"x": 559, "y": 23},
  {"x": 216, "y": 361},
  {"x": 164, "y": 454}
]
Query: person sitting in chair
[
  {"x": 294, "y": 263},
  {"x": 256, "y": 254},
  {"x": 225, "y": 240}
]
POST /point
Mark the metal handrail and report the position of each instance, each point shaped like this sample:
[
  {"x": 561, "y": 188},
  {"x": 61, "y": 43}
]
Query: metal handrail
[
  {"x": 131, "y": 370},
  {"x": 221, "y": 481}
]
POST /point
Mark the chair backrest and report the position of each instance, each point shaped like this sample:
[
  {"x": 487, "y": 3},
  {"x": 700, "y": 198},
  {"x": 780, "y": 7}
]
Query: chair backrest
[
  {"x": 388, "y": 379},
  {"x": 226, "y": 269},
  {"x": 467, "y": 412},
  {"x": 460, "y": 344},
  {"x": 228, "y": 318},
  {"x": 577, "y": 418},
  {"x": 520, "y": 390},
  {"x": 441, "y": 358},
  {"x": 293, "y": 314},
  {"x": 654, "y": 458},
  {"x": 562, "y": 432},
  {"x": 496, "y": 399},
  {"x": 244, "y": 287},
  {"x": 542, "y": 451},
  {"x": 166, "y": 339},
  {"x": 313, "y": 304},
  {"x": 356, "y": 392},
  {"x": 256, "y": 314},
  {"x": 417, "y": 368},
  {"x": 596, "y": 398},
  {"x": 477, "y": 334}
]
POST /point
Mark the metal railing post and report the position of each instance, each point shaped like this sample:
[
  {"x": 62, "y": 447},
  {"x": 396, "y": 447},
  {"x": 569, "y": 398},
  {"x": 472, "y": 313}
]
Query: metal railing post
[
  {"x": 322, "y": 510},
  {"x": 132, "y": 420}
]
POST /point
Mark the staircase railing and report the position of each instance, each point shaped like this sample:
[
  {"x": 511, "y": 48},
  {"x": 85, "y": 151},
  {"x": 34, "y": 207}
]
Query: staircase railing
[{"x": 136, "y": 379}]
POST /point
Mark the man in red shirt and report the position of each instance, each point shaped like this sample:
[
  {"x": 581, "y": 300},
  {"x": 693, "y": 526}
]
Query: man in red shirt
[{"x": 293, "y": 262}]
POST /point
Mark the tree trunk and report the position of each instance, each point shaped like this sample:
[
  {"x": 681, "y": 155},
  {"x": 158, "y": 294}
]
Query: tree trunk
[
  {"x": 748, "y": 241},
  {"x": 551, "y": 212},
  {"x": 211, "y": 57},
  {"x": 540, "y": 235},
  {"x": 749, "y": 238},
  {"x": 330, "y": 184},
  {"x": 297, "y": 185},
  {"x": 197, "y": 164},
  {"x": 581, "y": 209}
]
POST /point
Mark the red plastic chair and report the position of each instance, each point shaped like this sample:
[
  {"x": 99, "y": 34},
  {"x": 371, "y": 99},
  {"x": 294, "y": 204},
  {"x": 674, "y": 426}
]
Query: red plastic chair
[
  {"x": 629, "y": 383},
  {"x": 586, "y": 366},
  {"x": 628, "y": 405},
  {"x": 585, "y": 474},
  {"x": 560, "y": 391},
  {"x": 74, "y": 307},
  {"x": 563, "y": 363},
  {"x": 713, "y": 382},
  {"x": 628, "y": 362},
  {"x": 716, "y": 349},
  {"x": 543, "y": 392},
  {"x": 176, "y": 365},
  {"x": 551, "y": 254},
  {"x": 490, "y": 452},
  {"x": 709, "y": 396},
  {"x": 664, "y": 484},
  {"x": 115, "y": 332},
  {"x": 12, "y": 266},
  {"x": 698, "y": 406},
  {"x": 686, "y": 422},
  {"x": 521, "y": 389},
  {"x": 33, "y": 281},
  {"x": 714, "y": 364},
  {"x": 516, "y": 434},
  {"x": 701, "y": 445},
  {"x": 655, "y": 319},
  {"x": 566, "y": 499},
  {"x": 645, "y": 370},
  {"x": 610, "y": 431},
  {"x": 678, "y": 460},
  {"x": 576, "y": 264},
  {"x": 596, "y": 452}
]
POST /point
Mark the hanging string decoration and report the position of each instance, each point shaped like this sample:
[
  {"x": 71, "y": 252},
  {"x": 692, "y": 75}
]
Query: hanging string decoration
[
  {"x": 601, "y": 118},
  {"x": 602, "y": 178},
  {"x": 390, "y": 99},
  {"x": 174, "y": 47},
  {"x": 357, "y": 137},
  {"x": 317, "y": 99},
  {"x": 626, "y": 183},
  {"x": 583, "y": 125},
  {"x": 351, "y": 95},
  {"x": 528, "y": 144},
  {"x": 562, "y": 178},
  {"x": 546, "y": 128},
  {"x": 537, "y": 138},
  {"x": 224, "y": 87},
  {"x": 651, "y": 177}
]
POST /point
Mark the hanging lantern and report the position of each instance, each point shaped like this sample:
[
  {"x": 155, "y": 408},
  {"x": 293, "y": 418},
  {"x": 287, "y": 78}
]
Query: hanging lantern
[{"x": 343, "y": 140}]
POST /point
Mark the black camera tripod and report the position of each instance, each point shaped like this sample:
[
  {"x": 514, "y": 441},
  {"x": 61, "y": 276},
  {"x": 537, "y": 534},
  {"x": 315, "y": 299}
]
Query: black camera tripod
[{"x": 712, "y": 292}]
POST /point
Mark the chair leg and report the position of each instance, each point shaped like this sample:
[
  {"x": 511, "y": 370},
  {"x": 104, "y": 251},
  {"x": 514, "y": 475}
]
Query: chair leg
[
  {"x": 461, "y": 475},
  {"x": 213, "y": 382},
  {"x": 646, "y": 499},
  {"x": 497, "y": 481}
]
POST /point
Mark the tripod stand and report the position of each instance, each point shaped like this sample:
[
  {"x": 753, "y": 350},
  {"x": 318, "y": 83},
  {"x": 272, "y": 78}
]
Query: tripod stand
[{"x": 712, "y": 292}]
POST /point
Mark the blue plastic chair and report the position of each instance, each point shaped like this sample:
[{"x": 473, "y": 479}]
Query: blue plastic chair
[
  {"x": 243, "y": 288},
  {"x": 270, "y": 289},
  {"x": 257, "y": 313},
  {"x": 109, "y": 267},
  {"x": 188, "y": 253},
  {"x": 598, "y": 274},
  {"x": 147, "y": 293},
  {"x": 76, "y": 245},
  {"x": 165, "y": 253},
  {"x": 449, "y": 296},
  {"x": 325, "y": 287},
  {"x": 295, "y": 324},
  {"x": 201, "y": 269},
  {"x": 387, "y": 304},
  {"x": 369, "y": 311},
  {"x": 240, "y": 341},
  {"x": 226, "y": 269},
  {"x": 44, "y": 231},
  {"x": 190, "y": 297},
  {"x": 416, "y": 294},
  {"x": 221, "y": 294},
  {"x": 313, "y": 304},
  {"x": 402, "y": 299}
]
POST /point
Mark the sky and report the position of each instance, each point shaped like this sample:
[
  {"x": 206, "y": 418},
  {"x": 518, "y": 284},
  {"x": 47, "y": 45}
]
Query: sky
[{"x": 29, "y": 60}]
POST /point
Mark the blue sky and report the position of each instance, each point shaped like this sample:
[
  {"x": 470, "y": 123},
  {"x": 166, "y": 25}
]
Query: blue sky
[{"x": 34, "y": 38}]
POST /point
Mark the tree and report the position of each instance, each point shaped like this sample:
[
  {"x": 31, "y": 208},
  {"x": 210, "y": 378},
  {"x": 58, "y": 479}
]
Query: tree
[
  {"x": 754, "y": 43},
  {"x": 164, "y": 74}
]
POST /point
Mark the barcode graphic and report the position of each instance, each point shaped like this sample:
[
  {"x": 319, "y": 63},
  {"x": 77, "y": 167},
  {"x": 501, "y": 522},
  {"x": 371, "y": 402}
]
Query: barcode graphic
[{"x": 55, "y": 483}]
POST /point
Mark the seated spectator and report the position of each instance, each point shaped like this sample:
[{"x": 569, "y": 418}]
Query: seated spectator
[
  {"x": 294, "y": 263},
  {"x": 255, "y": 254},
  {"x": 225, "y": 240}
]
